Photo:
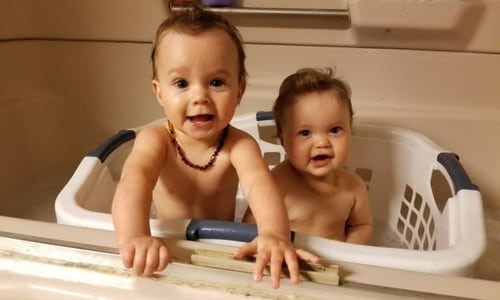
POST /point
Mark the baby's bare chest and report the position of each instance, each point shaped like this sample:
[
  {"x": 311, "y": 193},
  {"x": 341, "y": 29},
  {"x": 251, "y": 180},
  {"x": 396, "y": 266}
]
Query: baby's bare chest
[
  {"x": 186, "y": 192},
  {"x": 310, "y": 208},
  {"x": 185, "y": 180}
]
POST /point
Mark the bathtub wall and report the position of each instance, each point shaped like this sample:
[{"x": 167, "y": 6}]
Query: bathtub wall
[
  {"x": 71, "y": 74},
  {"x": 74, "y": 72}
]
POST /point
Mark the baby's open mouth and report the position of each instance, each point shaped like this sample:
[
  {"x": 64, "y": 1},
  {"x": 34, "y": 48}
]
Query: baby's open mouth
[
  {"x": 200, "y": 118},
  {"x": 321, "y": 157}
]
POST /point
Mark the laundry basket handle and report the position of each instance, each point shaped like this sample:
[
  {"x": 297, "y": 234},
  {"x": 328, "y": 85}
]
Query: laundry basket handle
[
  {"x": 103, "y": 150},
  {"x": 223, "y": 230},
  {"x": 458, "y": 175},
  {"x": 264, "y": 115}
]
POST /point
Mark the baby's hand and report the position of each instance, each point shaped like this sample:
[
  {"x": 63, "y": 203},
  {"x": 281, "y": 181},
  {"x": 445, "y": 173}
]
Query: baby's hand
[
  {"x": 144, "y": 254},
  {"x": 274, "y": 249}
]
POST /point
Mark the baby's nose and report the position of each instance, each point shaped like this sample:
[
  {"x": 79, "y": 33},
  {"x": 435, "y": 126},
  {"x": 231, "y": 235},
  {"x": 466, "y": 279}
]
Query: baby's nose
[
  {"x": 322, "y": 141},
  {"x": 200, "y": 96}
]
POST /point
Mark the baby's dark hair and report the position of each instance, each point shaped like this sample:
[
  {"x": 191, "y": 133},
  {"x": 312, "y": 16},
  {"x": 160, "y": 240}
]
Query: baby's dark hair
[
  {"x": 308, "y": 80},
  {"x": 194, "y": 19}
]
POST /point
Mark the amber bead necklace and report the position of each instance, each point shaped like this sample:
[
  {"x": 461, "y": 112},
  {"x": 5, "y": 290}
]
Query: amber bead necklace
[{"x": 186, "y": 161}]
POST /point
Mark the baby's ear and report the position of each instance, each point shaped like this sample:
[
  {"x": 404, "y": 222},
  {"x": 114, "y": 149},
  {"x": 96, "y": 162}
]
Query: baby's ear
[
  {"x": 156, "y": 90},
  {"x": 241, "y": 89}
]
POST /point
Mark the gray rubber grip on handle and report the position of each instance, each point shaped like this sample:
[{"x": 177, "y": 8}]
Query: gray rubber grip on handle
[{"x": 222, "y": 230}]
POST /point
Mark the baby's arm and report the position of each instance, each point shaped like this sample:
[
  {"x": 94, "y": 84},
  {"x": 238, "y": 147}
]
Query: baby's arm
[
  {"x": 131, "y": 205},
  {"x": 273, "y": 244},
  {"x": 248, "y": 217},
  {"x": 359, "y": 225}
]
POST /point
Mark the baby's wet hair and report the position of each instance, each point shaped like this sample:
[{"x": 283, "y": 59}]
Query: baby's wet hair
[
  {"x": 195, "y": 19},
  {"x": 308, "y": 80}
]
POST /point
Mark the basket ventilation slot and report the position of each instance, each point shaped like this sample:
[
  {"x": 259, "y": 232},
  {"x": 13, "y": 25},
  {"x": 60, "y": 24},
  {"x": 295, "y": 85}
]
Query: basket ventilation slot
[
  {"x": 415, "y": 224},
  {"x": 272, "y": 158},
  {"x": 366, "y": 175}
]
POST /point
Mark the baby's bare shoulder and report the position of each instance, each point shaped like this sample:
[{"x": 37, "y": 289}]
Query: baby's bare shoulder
[
  {"x": 152, "y": 135},
  {"x": 154, "y": 130},
  {"x": 283, "y": 173},
  {"x": 151, "y": 144},
  {"x": 357, "y": 185},
  {"x": 282, "y": 169},
  {"x": 237, "y": 134},
  {"x": 148, "y": 152},
  {"x": 240, "y": 140},
  {"x": 351, "y": 180}
]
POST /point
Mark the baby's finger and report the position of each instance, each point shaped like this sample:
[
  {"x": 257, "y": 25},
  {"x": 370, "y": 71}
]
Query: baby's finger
[
  {"x": 246, "y": 250},
  {"x": 292, "y": 265},
  {"x": 127, "y": 254},
  {"x": 139, "y": 261},
  {"x": 152, "y": 260},
  {"x": 276, "y": 266},
  {"x": 260, "y": 264},
  {"x": 307, "y": 256},
  {"x": 164, "y": 258}
]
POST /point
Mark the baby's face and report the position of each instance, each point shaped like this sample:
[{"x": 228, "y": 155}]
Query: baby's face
[
  {"x": 198, "y": 82},
  {"x": 316, "y": 133}
]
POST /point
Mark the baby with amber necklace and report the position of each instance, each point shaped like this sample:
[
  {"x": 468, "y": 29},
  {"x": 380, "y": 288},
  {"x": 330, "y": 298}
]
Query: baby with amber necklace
[{"x": 191, "y": 165}]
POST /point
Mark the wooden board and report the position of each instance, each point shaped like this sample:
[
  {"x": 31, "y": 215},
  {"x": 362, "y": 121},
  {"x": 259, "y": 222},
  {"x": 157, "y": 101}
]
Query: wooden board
[{"x": 324, "y": 274}]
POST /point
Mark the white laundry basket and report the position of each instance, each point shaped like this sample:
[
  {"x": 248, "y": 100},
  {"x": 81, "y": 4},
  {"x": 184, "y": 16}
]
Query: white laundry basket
[{"x": 428, "y": 215}]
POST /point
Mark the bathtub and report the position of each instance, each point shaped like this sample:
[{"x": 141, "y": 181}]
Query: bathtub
[
  {"x": 50, "y": 261},
  {"x": 427, "y": 213},
  {"x": 41, "y": 260},
  {"x": 73, "y": 76}
]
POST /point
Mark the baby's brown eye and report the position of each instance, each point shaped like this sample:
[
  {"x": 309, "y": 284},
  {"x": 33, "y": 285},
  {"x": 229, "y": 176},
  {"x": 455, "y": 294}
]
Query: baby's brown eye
[
  {"x": 217, "y": 82},
  {"x": 304, "y": 132},
  {"x": 181, "y": 83},
  {"x": 336, "y": 129}
]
